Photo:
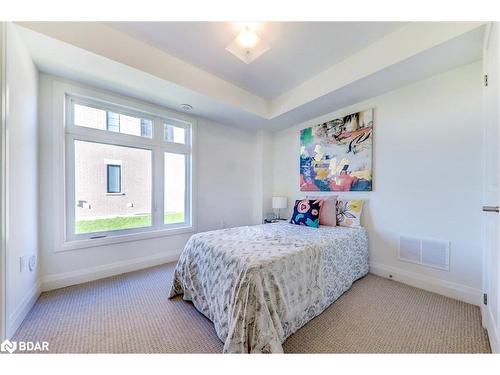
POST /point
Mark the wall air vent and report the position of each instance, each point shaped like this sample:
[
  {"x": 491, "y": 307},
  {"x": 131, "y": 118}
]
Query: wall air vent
[
  {"x": 409, "y": 249},
  {"x": 426, "y": 252}
]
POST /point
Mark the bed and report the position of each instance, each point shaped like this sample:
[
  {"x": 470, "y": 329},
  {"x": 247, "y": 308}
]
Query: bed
[{"x": 259, "y": 284}]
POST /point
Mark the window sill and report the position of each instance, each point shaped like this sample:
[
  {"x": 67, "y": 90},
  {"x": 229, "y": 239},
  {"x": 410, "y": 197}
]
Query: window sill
[
  {"x": 87, "y": 243},
  {"x": 115, "y": 194}
]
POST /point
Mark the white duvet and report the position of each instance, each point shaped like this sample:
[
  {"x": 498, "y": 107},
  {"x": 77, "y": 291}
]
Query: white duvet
[{"x": 259, "y": 284}]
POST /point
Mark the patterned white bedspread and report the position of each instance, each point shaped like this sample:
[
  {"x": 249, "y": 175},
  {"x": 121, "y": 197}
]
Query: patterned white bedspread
[{"x": 259, "y": 284}]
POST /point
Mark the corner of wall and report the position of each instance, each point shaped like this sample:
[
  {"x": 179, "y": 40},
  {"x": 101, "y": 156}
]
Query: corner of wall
[
  {"x": 22, "y": 78},
  {"x": 21, "y": 312},
  {"x": 263, "y": 178}
]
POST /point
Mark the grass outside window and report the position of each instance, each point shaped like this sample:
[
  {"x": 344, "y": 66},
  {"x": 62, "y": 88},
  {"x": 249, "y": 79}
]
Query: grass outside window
[{"x": 124, "y": 222}]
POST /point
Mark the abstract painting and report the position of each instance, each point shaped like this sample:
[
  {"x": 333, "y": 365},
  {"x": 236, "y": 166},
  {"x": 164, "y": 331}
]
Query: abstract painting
[{"x": 337, "y": 155}]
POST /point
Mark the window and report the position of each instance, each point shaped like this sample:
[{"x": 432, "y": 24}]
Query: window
[
  {"x": 99, "y": 118},
  {"x": 175, "y": 188},
  {"x": 174, "y": 133},
  {"x": 114, "y": 173},
  {"x": 126, "y": 172},
  {"x": 101, "y": 203}
]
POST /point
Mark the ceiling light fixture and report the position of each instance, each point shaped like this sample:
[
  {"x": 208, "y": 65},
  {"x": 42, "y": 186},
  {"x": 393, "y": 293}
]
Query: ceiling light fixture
[
  {"x": 247, "y": 46},
  {"x": 248, "y": 38}
]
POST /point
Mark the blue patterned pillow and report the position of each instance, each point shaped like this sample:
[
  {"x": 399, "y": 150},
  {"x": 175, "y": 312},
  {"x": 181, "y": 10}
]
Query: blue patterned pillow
[{"x": 306, "y": 212}]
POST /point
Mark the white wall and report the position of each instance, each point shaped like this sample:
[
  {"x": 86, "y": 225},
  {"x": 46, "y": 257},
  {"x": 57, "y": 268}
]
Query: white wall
[
  {"x": 263, "y": 178},
  {"x": 22, "y": 178},
  {"x": 2, "y": 182},
  {"x": 224, "y": 178},
  {"x": 427, "y": 177},
  {"x": 226, "y": 169}
]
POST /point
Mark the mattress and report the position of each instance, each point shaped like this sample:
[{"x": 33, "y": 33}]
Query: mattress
[{"x": 259, "y": 284}]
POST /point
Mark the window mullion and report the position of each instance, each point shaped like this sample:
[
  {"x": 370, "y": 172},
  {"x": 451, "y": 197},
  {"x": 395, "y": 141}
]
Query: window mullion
[
  {"x": 158, "y": 176},
  {"x": 70, "y": 186}
]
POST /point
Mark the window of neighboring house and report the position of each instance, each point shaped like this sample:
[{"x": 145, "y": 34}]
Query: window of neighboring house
[
  {"x": 158, "y": 173},
  {"x": 114, "y": 178}
]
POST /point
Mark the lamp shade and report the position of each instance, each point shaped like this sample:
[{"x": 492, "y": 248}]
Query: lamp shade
[{"x": 279, "y": 202}]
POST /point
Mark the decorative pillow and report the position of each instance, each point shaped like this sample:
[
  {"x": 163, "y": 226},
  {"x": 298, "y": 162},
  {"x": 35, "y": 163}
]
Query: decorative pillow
[
  {"x": 328, "y": 212},
  {"x": 349, "y": 212},
  {"x": 306, "y": 212}
]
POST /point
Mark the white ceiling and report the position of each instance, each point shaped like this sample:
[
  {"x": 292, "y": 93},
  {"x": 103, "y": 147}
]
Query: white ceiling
[
  {"x": 299, "y": 50},
  {"x": 103, "y": 56}
]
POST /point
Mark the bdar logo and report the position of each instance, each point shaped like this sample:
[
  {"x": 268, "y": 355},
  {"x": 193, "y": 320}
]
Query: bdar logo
[{"x": 8, "y": 346}]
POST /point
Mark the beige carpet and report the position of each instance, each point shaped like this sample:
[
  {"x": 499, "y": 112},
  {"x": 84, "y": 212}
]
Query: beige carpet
[{"x": 131, "y": 313}]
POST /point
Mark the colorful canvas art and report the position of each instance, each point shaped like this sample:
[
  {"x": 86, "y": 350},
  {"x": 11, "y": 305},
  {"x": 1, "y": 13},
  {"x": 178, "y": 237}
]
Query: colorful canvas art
[{"x": 337, "y": 155}]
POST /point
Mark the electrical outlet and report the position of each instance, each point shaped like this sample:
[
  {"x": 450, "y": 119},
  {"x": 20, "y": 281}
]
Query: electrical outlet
[{"x": 32, "y": 263}]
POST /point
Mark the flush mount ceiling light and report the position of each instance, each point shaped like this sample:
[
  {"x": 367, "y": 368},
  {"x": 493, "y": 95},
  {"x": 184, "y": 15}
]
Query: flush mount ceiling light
[{"x": 248, "y": 46}]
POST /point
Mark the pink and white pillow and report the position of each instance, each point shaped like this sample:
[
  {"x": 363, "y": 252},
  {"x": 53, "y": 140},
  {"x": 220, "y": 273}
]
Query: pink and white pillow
[{"x": 328, "y": 212}]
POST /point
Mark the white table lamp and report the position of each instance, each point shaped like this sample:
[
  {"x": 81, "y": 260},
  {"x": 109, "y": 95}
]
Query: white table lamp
[{"x": 279, "y": 203}]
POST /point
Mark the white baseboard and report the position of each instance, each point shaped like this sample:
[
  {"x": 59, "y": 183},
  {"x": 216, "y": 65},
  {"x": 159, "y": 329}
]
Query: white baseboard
[
  {"x": 432, "y": 284},
  {"x": 22, "y": 310},
  {"x": 489, "y": 324},
  {"x": 64, "y": 279}
]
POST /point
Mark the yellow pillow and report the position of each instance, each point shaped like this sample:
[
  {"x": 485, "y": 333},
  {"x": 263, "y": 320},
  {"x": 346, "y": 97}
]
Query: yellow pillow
[{"x": 349, "y": 212}]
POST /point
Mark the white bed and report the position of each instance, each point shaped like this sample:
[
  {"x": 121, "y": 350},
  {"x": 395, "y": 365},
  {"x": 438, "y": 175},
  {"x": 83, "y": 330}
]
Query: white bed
[{"x": 259, "y": 284}]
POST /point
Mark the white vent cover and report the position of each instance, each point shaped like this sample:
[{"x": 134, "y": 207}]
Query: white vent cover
[
  {"x": 436, "y": 253},
  {"x": 409, "y": 249},
  {"x": 427, "y": 252}
]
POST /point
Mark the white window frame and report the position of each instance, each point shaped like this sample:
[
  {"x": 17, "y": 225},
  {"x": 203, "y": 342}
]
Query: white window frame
[{"x": 64, "y": 95}]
